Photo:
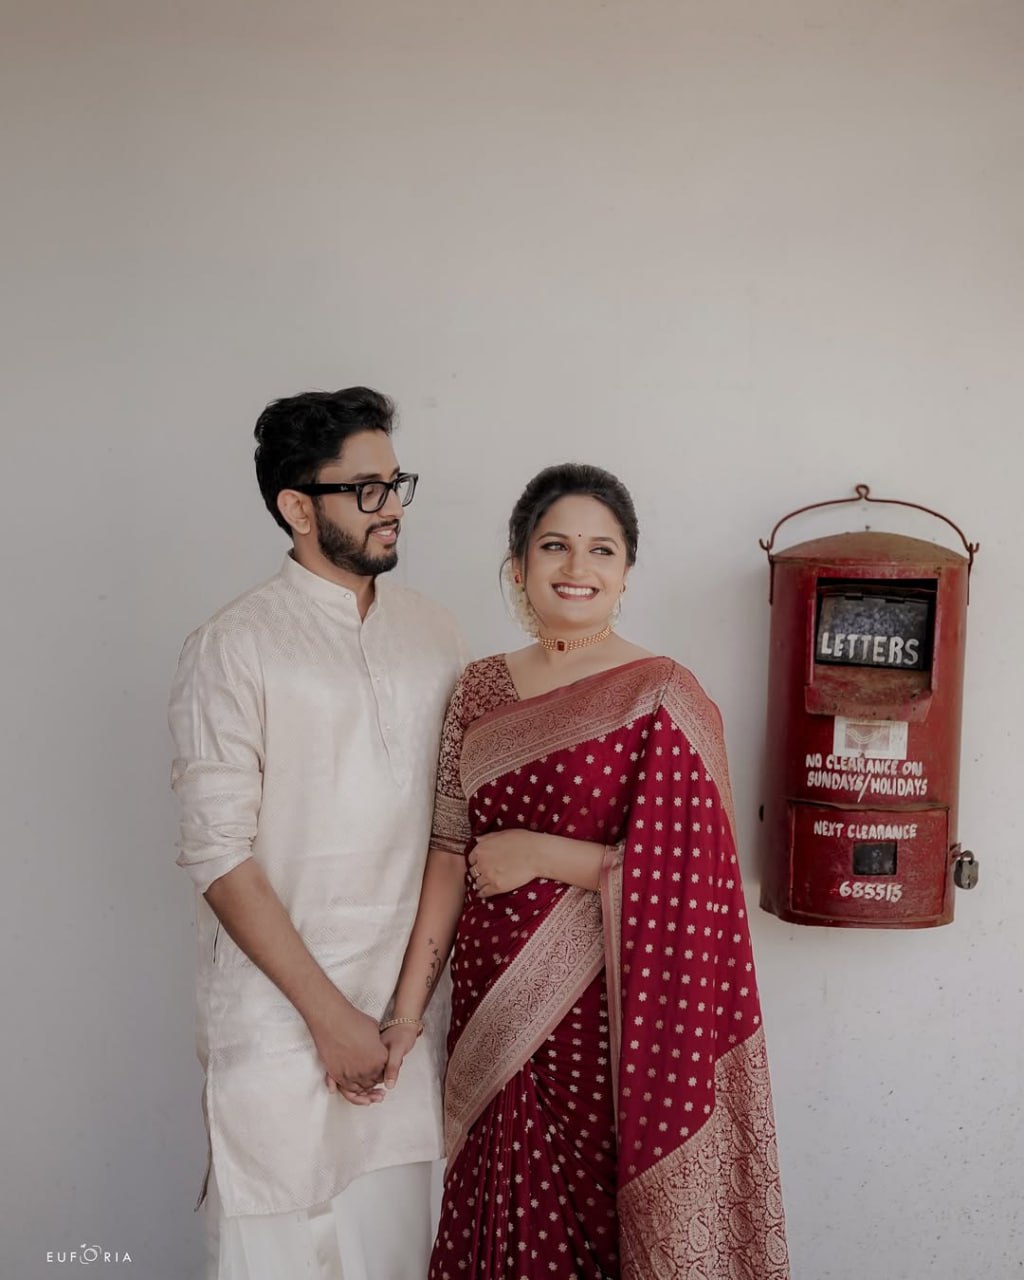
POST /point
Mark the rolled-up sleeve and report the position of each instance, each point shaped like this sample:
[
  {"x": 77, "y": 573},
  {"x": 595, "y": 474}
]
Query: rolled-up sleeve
[{"x": 216, "y": 721}]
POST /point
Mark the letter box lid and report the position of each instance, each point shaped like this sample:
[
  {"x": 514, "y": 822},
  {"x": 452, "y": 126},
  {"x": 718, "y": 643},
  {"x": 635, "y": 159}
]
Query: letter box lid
[{"x": 868, "y": 547}]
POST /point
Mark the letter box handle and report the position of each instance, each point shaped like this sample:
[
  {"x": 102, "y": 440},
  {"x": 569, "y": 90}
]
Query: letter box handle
[{"x": 862, "y": 493}]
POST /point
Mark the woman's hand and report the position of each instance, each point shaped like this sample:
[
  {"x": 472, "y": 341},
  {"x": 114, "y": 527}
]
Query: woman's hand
[
  {"x": 504, "y": 860},
  {"x": 398, "y": 1040}
]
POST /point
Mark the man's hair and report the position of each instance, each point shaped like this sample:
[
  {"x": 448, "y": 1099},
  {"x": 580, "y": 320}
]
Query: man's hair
[{"x": 297, "y": 435}]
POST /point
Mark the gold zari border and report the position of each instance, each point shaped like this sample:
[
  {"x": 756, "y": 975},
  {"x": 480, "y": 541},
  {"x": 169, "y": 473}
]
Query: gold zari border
[
  {"x": 528, "y": 1000},
  {"x": 712, "y": 1209}
]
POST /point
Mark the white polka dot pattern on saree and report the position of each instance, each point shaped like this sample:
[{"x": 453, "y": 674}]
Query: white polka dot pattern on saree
[{"x": 536, "y": 1187}]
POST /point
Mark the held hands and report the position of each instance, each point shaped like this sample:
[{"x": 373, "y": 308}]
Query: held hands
[
  {"x": 393, "y": 1044},
  {"x": 350, "y": 1048},
  {"x": 504, "y": 860}
]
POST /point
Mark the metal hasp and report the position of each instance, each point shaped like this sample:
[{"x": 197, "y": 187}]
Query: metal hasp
[{"x": 865, "y": 691}]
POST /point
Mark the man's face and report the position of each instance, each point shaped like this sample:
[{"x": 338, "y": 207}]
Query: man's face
[{"x": 352, "y": 540}]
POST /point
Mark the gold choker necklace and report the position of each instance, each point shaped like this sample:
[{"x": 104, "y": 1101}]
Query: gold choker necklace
[{"x": 566, "y": 646}]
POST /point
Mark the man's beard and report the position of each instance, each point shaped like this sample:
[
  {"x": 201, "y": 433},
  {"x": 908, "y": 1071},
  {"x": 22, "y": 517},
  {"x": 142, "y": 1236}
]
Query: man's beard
[{"x": 346, "y": 552}]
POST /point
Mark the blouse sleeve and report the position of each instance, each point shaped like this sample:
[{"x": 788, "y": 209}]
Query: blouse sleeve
[{"x": 451, "y": 830}]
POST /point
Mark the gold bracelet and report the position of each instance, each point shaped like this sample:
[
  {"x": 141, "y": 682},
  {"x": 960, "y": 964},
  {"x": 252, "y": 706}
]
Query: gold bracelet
[{"x": 403, "y": 1022}]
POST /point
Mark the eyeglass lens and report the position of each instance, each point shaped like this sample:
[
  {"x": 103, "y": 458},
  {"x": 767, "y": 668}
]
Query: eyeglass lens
[{"x": 373, "y": 495}]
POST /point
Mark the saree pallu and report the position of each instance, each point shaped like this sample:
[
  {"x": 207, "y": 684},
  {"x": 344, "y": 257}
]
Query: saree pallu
[{"x": 607, "y": 1102}]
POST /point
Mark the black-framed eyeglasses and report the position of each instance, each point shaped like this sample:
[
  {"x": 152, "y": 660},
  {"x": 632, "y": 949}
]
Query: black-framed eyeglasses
[{"x": 370, "y": 494}]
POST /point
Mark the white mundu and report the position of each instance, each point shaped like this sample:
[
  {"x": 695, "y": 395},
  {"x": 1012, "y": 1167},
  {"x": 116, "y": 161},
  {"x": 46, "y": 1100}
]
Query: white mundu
[{"x": 308, "y": 738}]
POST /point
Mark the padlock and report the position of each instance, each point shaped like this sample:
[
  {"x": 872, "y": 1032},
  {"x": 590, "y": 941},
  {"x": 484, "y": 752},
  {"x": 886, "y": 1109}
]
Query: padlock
[{"x": 965, "y": 870}]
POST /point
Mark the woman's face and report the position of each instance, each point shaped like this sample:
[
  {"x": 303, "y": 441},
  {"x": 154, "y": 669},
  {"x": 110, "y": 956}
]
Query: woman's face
[{"x": 575, "y": 566}]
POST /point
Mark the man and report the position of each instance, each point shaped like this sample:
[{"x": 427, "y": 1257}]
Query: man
[{"x": 306, "y": 717}]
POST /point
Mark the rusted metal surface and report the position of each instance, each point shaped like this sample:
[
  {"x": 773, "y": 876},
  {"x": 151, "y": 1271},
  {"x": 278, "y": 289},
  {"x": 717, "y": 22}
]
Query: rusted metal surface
[
  {"x": 888, "y": 695},
  {"x": 869, "y": 546},
  {"x": 873, "y": 547},
  {"x": 831, "y": 807}
]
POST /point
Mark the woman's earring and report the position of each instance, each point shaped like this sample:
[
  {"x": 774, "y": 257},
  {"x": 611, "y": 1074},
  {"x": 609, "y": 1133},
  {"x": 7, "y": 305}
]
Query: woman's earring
[
  {"x": 519, "y": 603},
  {"x": 617, "y": 608}
]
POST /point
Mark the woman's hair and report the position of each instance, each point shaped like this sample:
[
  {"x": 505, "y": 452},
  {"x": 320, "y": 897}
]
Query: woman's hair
[
  {"x": 570, "y": 479},
  {"x": 296, "y": 436}
]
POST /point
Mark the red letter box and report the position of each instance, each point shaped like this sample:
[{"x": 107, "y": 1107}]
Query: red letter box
[{"x": 865, "y": 686}]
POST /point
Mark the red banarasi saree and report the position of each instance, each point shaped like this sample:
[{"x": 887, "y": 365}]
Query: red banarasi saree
[{"x": 607, "y": 1104}]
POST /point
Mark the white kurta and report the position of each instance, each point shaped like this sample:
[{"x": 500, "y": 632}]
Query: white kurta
[{"x": 308, "y": 739}]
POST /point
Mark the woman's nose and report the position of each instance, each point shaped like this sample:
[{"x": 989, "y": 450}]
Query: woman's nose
[{"x": 574, "y": 561}]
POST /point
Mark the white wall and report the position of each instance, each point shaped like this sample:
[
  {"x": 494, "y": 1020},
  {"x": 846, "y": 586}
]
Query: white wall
[{"x": 744, "y": 254}]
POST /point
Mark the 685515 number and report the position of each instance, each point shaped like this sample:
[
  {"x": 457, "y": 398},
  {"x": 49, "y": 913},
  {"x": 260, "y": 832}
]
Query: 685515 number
[{"x": 870, "y": 892}]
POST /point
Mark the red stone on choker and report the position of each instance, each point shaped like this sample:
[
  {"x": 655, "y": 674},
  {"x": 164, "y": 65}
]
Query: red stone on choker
[{"x": 566, "y": 646}]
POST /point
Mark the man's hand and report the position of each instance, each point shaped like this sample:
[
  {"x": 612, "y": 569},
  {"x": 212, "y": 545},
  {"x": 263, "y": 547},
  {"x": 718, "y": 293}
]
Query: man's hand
[{"x": 353, "y": 1055}]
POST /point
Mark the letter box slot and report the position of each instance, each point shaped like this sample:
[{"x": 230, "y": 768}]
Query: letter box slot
[{"x": 875, "y": 624}]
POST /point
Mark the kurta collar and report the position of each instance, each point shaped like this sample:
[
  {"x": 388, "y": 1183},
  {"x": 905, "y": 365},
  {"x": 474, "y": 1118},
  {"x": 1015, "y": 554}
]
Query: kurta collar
[{"x": 325, "y": 591}]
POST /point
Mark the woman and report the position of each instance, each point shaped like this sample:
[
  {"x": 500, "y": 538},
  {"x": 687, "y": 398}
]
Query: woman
[{"x": 607, "y": 1103}]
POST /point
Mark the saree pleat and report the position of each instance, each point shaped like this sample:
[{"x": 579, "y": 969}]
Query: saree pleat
[{"x": 607, "y": 1104}]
